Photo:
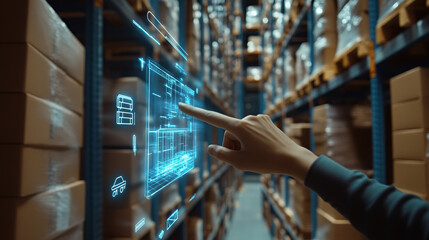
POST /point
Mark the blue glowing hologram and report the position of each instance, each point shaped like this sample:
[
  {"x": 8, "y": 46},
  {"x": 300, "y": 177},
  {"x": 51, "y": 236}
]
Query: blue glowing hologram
[
  {"x": 118, "y": 186},
  {"x": 172, "y": 218},
  {"x": 196, "y": 90},
  {"x": 142, "y": 62},
  {"x": 180, "y": 68},
  {"x": 164, "y": 32},
  {"x": 141, "y": 28},
  {"x": 139, "y": 224},
  {"x": 192, "y": 198},
  {"x": 134, "y": 144},
  {"x": 171, "y": 134},
  {"x": 161, "y": 234},
  {"x": 124, "y": 113}
]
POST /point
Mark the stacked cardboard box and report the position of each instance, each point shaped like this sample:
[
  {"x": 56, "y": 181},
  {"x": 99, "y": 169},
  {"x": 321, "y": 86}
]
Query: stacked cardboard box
[
  {"x": 324, "y": 33},
  {"x": 332, "y": 225},
  {"x": 41, "y": 129},
  {"x": 302, "y": 64},
  {"x": 343, "y": 133},
  {"x": 300, "y": 204},
  {"x": 300, "y": 133},
  {"x": 410, "y": 125},
  {"x": 194, "y": 228},
  {"x": 127, "y": 211}
]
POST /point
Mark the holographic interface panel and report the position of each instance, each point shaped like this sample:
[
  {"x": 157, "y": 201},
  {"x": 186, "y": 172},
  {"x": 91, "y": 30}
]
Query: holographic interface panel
[{"x": 171, "y": 134}]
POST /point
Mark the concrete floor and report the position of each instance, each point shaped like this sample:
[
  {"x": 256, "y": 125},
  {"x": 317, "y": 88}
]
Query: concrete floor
[{"x": 247, "y": 221}]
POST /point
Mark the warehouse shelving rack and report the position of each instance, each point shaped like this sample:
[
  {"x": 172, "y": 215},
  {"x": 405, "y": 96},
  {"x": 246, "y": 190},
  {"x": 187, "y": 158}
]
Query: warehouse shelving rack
[
  {"x": 86, "y": 20},
  {"x": 377, "y": 68}
]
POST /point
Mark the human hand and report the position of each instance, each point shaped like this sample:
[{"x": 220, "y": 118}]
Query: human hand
[{"x": 255, "y": 144}]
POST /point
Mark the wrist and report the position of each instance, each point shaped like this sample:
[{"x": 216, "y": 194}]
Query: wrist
[{"x": 302, "y": 160}]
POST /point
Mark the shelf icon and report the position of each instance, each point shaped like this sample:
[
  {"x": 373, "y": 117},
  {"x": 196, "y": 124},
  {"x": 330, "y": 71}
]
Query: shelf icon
[
  {"x": 139, "y": 224},
  {"x": 124, "y": 113},
  {"x": 161, "y": 234},
  {"x": 118, "y": 186}
]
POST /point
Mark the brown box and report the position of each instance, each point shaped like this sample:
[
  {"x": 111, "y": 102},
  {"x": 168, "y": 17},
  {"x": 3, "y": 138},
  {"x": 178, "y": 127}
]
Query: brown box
[
  {"x": 411, "y": 175},
  {"x": 332, "y": 229},
  {"x": 130, "y": 196},
  {"x": 328, "y": 209},
  {"x": 30, "y": 120},
  {"x": 26, "y": 170},
  {"x": 410, "y": 144},
  {"x": 123, "y": 162},
  {"x": 26, "y": 70},
  {"x": 411, "y": 114},
  {"x": 133, "y": 87},
  {"x": 45, "y": 215},
  {"x": 35, "y": 22},
  {"x": 411, "y": 85},
  {"x": 75, "y": 233},
  {"x": 122, "y": 222},
  {"x": 299, "y": 130}
]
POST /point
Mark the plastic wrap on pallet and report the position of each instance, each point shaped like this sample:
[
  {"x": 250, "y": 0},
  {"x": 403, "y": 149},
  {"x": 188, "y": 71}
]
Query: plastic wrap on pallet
[
  {"x": 324, "y": 50},
  {"x": 253, "y": 18},
  {"x": 385, "y": 7},
  {"x": 254, "y": 72},
  {"x": 303, "y": 63},
  {"x": 289, "y": 70},
  {"x": 193, "y": 40},
  {"x": 324, "y": 8},
  {"x": 254, "y": 44},
  {"x": 279, "y": 80},
  {"x": 352, "y": 24}
]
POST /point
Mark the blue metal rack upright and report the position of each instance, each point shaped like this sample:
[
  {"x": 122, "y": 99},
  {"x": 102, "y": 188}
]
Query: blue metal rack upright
[{"x": 93, "y": 165}]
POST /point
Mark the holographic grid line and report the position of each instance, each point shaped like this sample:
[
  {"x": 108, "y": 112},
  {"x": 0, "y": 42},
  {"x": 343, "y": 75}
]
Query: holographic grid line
[
  {"x": 169, "y": 37},
  {"x": 171, "y": 134}
]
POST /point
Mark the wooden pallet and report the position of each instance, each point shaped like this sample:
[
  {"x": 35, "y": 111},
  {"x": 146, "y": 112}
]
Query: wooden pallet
[
  {"x": 405, "y": 15},
  {"x": 352, "y": 55},
  {"x": 304, "y": 88},
  {"x": 325, "y": 74}
]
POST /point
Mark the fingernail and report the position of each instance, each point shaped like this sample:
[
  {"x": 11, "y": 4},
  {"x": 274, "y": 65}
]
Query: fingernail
[{"x": 211, "y": 149}]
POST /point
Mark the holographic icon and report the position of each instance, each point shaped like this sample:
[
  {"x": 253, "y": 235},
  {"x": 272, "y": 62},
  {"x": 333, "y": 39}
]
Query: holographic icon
[
  {"x": 171, "y": 134},
  {"x": 172, "y": 219},
  {"x": 161, "y": 234},
  {"x": 124, "y": 113},
  {"x": 143, "y": 30},
  {"x": 134, "y": 144},
  {"x": 118, "y": 186},
  {"x": 180, "y": 68},
  {"x": 139, "y": 224}
]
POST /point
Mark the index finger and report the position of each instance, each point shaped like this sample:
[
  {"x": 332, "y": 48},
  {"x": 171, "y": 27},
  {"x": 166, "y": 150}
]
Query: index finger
[{"x": 214, "y": 118}]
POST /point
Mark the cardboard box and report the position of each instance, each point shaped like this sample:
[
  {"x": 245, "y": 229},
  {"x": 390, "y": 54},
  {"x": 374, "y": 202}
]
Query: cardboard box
[
  {"x": 133, "y": 87},
  {"x": 123, "y": 222},
  {"x": 26, "y": 170},
  {"x": 411, "y": 175},
  {"x": 30, "y": 120},
  {"x": 123, "y": 162},
  {"x": 131, "y": 195},
  {"x": 75, "y": 233},
  {"x": 115, "y": 135},
  {"x": 410, "y": 144},
  {"x": 26, "y": 70},
  {"x": 299, "y": 130},
  {"x": 411, "y": 114},
  {"x": 328, "y": 209},
  {"x": 36, "y": 23},
  {"x": 411, "y": 85},
  {"x": 45, "y": 215},
  {"x": 332, "y": 229}
]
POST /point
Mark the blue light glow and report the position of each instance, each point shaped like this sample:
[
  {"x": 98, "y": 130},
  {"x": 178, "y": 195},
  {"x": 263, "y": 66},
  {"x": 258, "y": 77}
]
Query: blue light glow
[
  {"x": 172, "y": 219},
  {"x": 166, "y": 34},
  {"x": 196, "y": 90},
  {"x": 180, "y": 68},
  {"x": 192, "y": 198},
  {"x": 161, "y": 234},
  {"x": 118, "y": 186},
  {"x": 141, "y": 28},
  {"x": 139, "y": 224},
  {"x": 124, "y": 113},
  {"x": 141, "y": 63},
  {"x": 134, "y": 144},
  {"x": 171, "y": 134}
]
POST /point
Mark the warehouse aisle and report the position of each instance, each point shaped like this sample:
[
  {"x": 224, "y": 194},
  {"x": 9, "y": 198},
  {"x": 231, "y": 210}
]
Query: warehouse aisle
[{"x": 247, "y": 221}]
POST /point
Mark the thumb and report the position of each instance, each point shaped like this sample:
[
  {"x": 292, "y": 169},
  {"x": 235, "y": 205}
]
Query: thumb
[{"x": 223, "y": 153}]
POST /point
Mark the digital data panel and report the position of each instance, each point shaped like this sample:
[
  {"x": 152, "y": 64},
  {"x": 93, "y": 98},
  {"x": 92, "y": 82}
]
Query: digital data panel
[{"x": 171, "y": 134}]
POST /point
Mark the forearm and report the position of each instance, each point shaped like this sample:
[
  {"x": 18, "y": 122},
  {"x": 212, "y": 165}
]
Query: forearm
[{"x": 377, "y": 210}]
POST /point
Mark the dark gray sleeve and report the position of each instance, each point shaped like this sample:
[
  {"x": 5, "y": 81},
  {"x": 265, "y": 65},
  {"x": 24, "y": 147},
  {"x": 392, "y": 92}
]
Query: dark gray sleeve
[{"x": 377, "y": 210}]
